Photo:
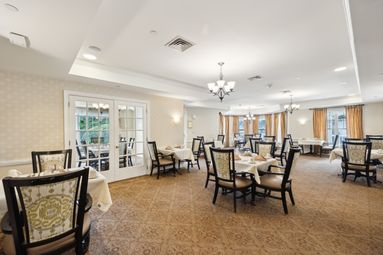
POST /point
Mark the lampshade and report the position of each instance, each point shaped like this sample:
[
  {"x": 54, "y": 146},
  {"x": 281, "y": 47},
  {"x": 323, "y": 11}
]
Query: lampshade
[{"x": 220, "y": 83}]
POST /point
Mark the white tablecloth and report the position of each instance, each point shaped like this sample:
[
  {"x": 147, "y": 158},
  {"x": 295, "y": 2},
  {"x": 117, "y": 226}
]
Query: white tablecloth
[
  {"x": 338, "y": 153},
  {"x": 244, "y": 165},
  {"x": 311, "y": 141},
  {"x": 179, "y": 153},
  {"x": 97, "y": 187}
]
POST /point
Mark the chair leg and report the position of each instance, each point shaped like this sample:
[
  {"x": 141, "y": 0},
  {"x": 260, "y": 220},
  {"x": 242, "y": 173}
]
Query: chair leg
[
  {"x": 235, "y": 200},
  {"x": 368, "y": 179},
  {"x": 158, "y": 172},
  {"x": 253, "y": 193},
  {"x": 215, "y": 193},
  {"x": 207, "y": 179},
  {"x": 281, "y": 160},
  {"x": 179, "y": 164},
  {"x": 320, "y": 152},
  {"x": 198, "y": 164},
  {"x": 151, "y": 170},
  {"x": 291, "y": 195},
  {"x": 283, "y": 193},
  {"x": 189, "y": 163},
  {"x": 344, "y": 175}
]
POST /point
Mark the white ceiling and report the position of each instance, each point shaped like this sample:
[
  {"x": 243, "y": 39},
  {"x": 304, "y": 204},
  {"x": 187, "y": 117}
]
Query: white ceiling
[{"x": 280, "y": 40}]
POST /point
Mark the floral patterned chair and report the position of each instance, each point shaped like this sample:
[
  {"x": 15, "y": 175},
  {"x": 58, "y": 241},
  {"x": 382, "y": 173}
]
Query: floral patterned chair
[
  {"x": 51, "y": 160},
  {"x": 357, "y": 159},
  {"x": 226, "y": 177},
  {"x": 266, "y": 149},
  {"x": 46, "y": 214}
]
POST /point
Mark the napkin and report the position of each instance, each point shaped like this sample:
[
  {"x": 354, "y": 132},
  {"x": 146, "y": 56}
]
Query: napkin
[
  {"x": 237, "y": 157},
  {"x": 247, "y": 154},
  {"x": 259, "y": 158},
  {"x": 168, "y": 147},
  {"x": 92, "y": 173}
]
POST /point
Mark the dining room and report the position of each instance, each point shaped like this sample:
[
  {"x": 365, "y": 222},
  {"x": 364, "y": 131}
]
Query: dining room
[{"x": 134, "y": 127}]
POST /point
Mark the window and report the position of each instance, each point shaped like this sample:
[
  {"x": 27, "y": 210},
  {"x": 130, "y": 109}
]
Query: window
[
  {"x": 262, "y": 125},
  {"x": 336, "y": 124},
  {"x": 241, "y": 129}
]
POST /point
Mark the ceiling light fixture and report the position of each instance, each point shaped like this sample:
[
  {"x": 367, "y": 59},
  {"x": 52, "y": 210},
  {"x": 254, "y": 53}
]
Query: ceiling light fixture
[
  {"x": 249, "y": 116},
  {"x": 339, "y": 69},
  {"x": 290, "y": 108},
  {"x": 89, "y": 56},
  {"x": 221, "y": 88}
]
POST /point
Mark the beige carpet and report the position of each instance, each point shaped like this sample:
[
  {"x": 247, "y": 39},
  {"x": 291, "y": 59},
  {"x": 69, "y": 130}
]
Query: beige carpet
[{"x": 174, "y": 215}]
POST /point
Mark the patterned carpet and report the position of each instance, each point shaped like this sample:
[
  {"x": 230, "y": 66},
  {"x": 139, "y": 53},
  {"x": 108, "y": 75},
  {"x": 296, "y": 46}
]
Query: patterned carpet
[{"x": 174, "y": 215}]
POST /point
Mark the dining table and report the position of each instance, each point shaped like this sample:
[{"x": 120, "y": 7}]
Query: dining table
[
  {"x": 97, "y": 187},
  {"x": 245, "y": 164},
  {"x": 338, "y": 153},
  {"x": 310, "y": 142}
]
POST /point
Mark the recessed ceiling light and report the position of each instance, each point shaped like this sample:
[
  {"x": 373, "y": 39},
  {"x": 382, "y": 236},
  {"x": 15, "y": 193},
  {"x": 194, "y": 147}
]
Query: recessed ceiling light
[
  {"x": 89, "y": 56},
  {"x": 95, "y": 48},
  {"x": 153, "y": 32},
  {"x": 269, "y": 85},
  {"x": 351, "y": 95},
  {"x": 11, "y": 7},
  {"x": 339, "y": 69}
]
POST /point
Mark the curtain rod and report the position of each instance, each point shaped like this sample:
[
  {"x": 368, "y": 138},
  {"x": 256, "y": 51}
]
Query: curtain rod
[{"x": 345, "y": 105}]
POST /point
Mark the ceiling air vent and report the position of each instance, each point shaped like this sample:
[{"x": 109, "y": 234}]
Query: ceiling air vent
[
  {"x": 19, "y": 39},
  {"x": 256, "y": 77},
  {"x": 179, "y": 44}
]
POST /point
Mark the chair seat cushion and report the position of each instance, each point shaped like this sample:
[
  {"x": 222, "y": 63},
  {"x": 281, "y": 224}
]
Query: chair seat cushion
[
  {"x": 240, "y": 183},
  {"x": 271, "y": 181},
  {"x": 359, "y": 168},
  {"x": 9, "y": 245},
  {"x": 164, "y": 162},
  {"x": 326, "y": 147}
]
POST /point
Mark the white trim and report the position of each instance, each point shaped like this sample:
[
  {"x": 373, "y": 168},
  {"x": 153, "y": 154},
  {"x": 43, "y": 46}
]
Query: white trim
[{"x": 15, "y": 162}]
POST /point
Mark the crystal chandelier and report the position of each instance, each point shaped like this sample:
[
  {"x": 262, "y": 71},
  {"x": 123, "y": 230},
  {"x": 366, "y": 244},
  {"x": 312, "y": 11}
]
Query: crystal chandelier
[
  {"x": 290, "y": 108},
  {"x": 221, "y": 88},
  {"x": 249, "y": 117}
]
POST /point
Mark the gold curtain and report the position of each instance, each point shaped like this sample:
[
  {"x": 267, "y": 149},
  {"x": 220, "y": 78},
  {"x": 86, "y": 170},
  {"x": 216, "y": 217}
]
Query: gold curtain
[
  {"x": 268, "y": 124},
  {"x": 220, "y": 123},
  {"x": 246, "y": 126},
  {"x": 319, "y": 123},
  {"x": 235, "y": 124},
  {"x": 227, "y": 131},
  {"x": 283, "y": 125},
  {"x": 354, "y": 118},
  {"x": 255, "y": 125},
  {"x": 276, "y": 124}
]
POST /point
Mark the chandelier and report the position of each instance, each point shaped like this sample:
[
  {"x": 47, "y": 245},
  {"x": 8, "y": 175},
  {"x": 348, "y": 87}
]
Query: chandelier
[
  {"x": 249, "y": 117},
  {"x": 221, "y": 88},
  {"x": 290, "y": 108}
]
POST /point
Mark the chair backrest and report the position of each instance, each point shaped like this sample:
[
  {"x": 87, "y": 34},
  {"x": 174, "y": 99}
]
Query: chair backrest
[
  {"x": 221, "y": 138},
  {"x": 206, "y": 151},
  {"x": 265, "y": 148},
  {"x": 257, "y": 135},
  {"x": 374, "y": 136},
  {"x": 196, "y": 145},
  {"x": 357, "y": 153},
  {"x": 237, "y": 135},
  {"x": 247, "y": 137},
  {"x": 284, "y": 144},
  {"x": 291, "y": 163},
  {"x": 123, "y": 148},
  {"x": 376, "y": 142},
  {"x": 290, "y": 140},
  {"x": 223, "y": 164},
  {"x": 152, "y": 148},
  {"x": 254, "y": 144},
  {"x": 361, "y": 140},
  {"x": 43, "y": 209},
  {"x": 269, "y": 138},
  {"x": 131, "y": 143},
  {"x": 335, "y": 141},
  {"x": 51, "y": 160}
]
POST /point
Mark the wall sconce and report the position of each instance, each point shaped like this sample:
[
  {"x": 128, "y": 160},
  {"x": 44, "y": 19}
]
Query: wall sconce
[
  {"x": 302, "y": 121},
  {"x": 176, "y": 119}
]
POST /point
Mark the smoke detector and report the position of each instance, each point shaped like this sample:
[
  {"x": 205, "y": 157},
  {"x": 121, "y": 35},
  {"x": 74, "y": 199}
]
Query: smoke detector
[
  {"x": 269, "y": 86},
  {"x": 286, "y": 91},
  {"x": 19, "y": 40},
  {"x": 179, "y": 44}
]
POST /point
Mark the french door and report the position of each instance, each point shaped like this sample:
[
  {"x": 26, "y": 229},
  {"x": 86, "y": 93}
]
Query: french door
[{"x": 107, "y": 135}]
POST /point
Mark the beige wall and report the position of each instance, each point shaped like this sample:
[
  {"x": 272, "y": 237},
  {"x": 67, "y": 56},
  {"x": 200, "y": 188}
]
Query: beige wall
[
  {"x": 300, "y": 122},
  {"x": 32, "y": 115},
  {"x": 205, "y": 122}
]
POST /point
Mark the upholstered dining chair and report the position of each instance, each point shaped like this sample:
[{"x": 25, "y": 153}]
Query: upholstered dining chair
[
  {"x": 221, "y": 138},
  {"x": 265, "y": 148},
  {"x": 226, "y": 177},
  {"x": 361, "y": 140},
  {"x": 202, "y": 141},
  {"x": 356, "y": 158},
  {"x": 254, "y": 144},
  {"x": 376, "y": 142},
  {"x": 196, "y": 145},
  {"x": 209, "y": 167},
  {"x": 46, "y": 214},
  {"x": 159, "y": 160},
  {"x": 51, "y": 160},
  {"x": 280, "y": 181},
  {"x": 269, "y": 138},
  {"x": 282, "y": 152},
  {"x": 326, "y": 148}
]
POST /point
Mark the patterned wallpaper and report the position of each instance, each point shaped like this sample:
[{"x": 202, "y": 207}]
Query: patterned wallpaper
[{"x": 32, "y": 113}]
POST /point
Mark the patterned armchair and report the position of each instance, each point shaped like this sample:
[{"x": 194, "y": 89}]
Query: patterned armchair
[
  {"x": 281, "y": 181},
  {"x": 51, "y": 160},
  {"x": 254, "y": 144},
  {"x": 159, "y": 160},
  {"x": 46, "y": 214},
  {"x": 226, "y": 177},
  {"x": 357, "y": 159}
]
